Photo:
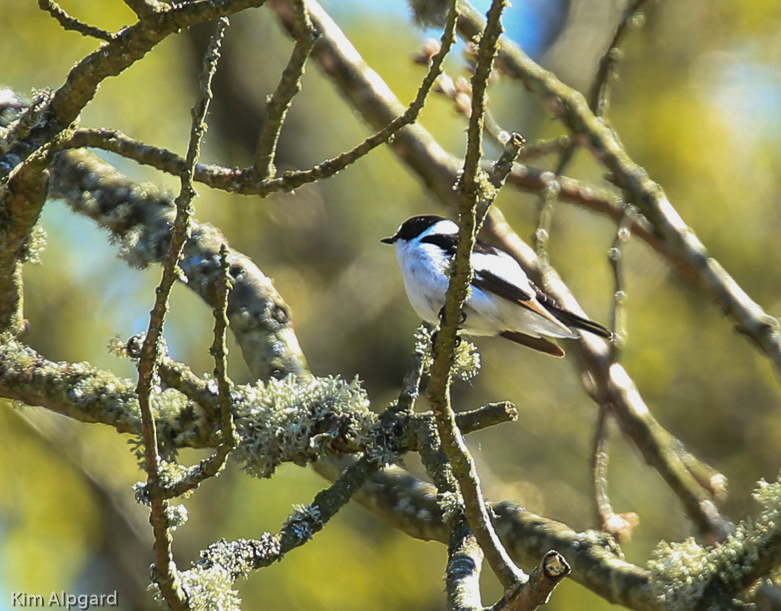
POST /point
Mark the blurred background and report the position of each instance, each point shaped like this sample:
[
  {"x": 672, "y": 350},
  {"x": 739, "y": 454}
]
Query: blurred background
[{"x": 698, "y": 105}]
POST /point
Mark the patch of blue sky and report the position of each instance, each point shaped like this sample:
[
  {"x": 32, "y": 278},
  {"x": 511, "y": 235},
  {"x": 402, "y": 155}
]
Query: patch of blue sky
[
  {"x": 529, "y": 23},
  {"x": 84, "y": 250},
  {"x": 748, "y": 94}
]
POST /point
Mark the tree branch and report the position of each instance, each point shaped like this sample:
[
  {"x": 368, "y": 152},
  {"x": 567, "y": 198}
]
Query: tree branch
[
  {"x": 289, "y": 85},
  {"x": 166, "y": 575},
  {"x": 471, "y": 190},
  {"x": 140, "y": 220},
  {"x": 69, "y": 23},
  {"x": 749, "y": 318},
  {"x": 462, "y": 574}
]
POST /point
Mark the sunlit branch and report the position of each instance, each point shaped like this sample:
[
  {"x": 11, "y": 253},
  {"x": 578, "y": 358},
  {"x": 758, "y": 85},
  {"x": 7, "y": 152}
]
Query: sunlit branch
[
  {"x": 600, "y": 87},
  {"x": 462, "y": 574}
]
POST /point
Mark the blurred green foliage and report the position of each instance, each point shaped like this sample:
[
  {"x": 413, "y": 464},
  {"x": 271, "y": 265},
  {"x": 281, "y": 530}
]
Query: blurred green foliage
[{"x": 696, "y": 105}]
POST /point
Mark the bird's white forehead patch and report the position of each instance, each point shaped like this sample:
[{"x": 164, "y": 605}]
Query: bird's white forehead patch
[{"x": 445, "y": 226}]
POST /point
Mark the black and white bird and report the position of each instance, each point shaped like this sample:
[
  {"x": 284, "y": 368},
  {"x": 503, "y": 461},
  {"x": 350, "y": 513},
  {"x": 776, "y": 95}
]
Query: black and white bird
[{"x": 502, "y": 300}]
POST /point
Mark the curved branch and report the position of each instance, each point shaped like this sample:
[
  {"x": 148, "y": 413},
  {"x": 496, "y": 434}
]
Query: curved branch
[{"x": 748, "y": 316}]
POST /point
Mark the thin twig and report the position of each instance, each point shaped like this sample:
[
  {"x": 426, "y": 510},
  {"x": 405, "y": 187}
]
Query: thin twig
[
  {"x": 289, "y": 85},
  {"x": 211, "y": 466},
  {"x": 544, "y": 147},
  {"x": 616, "y": 257},
  {"x": 599, "y": 464},
  {"x": 219, "y": 351},
  {"x": 71, "y": 23},
  {"x": 544, "y": 222},
  {"x": 598, "y": 95},
  {"x": 492, "y": 128},
  {"x": 410, "y": 386},
  {"x": 488, "y": 415},
  {"x": 165, "y": 573},
  {"x": 237, "y": 558},
  {"x": 329, "y": 167},
  {"x": 504, "y": 165},
  {"x": 618, "y": 525},
  {"x": 460, "y": 93}
]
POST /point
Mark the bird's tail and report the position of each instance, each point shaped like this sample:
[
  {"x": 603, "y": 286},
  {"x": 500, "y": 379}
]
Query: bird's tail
[
  {"x": 579, "y": 322},
  {"x": 536, "y": 343}
]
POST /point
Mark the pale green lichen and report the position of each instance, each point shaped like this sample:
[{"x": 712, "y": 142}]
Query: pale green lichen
[
  {"x": 117, "y": 347},
  {"x": 683, "y": 571},
  {"x": 34, "y": 245},
  {"x": 466, "y": 358},
  {"x": 208, "y": 589},
  {"x": 452, "y": 505},
  {"x": 293, "y": 421},
  {"x": 170, "y": 473},
  {"x": 176, "y": 516},
  {"x": 209, "y": 580},
  {"x": 304, "y": 522}
]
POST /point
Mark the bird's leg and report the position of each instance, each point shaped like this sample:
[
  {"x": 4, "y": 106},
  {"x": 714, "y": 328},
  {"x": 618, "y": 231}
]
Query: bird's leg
[{"x": 441, "y": 315}]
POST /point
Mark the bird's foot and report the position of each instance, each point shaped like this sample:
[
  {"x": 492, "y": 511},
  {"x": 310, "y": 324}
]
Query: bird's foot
[{"x": 441, "y": 316}]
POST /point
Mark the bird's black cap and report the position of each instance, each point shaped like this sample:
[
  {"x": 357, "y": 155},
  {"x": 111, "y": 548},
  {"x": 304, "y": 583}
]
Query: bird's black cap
[{"x": 413, "y": 227}]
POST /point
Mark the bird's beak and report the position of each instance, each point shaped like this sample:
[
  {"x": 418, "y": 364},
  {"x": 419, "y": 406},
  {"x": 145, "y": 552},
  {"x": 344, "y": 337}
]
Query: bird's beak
[{"x": 389, "y": 240}]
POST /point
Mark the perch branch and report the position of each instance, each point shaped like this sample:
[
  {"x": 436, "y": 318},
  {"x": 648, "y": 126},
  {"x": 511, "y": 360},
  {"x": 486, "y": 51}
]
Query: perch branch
[{"x": 471, "y": 193}]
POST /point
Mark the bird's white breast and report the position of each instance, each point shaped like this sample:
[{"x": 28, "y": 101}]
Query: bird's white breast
[{"x": 424, "y": 269}]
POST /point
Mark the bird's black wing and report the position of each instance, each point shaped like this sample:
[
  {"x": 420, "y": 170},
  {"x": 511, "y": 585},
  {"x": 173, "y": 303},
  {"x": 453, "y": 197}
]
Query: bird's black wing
[
  {"x": 483, "y": 279},
  {"x": 570, "y": 318},
  {"x": 499, "y": 286}
]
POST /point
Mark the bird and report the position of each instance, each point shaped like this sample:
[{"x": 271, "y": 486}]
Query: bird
[{"x": 502, "y": 300}]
